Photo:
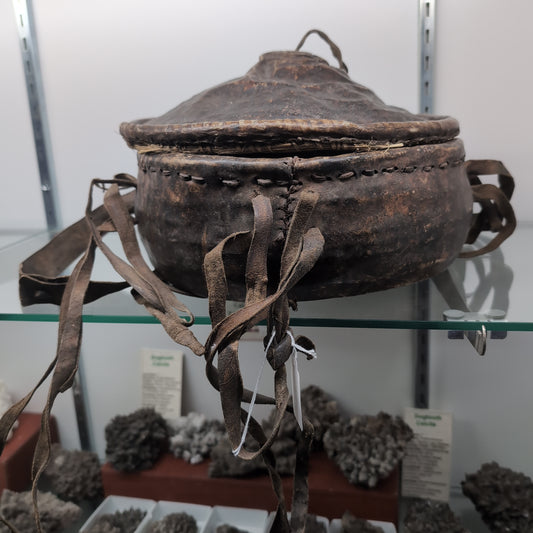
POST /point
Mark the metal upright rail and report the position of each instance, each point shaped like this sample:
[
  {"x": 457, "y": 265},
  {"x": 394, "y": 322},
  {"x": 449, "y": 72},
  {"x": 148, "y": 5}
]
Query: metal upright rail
[
  {"x": 426, "y": 21},
  {"x": 41, "y": 134},
  {"x": 43, "y": 148}
]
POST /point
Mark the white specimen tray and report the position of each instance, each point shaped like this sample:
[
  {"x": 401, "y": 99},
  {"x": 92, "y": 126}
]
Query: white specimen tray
[
  {"x": 112, "y": 504},
  {"x": 388, "y": 527},
  {"x": 251, "y": 520},
  {"x": 200, "y": 513}
]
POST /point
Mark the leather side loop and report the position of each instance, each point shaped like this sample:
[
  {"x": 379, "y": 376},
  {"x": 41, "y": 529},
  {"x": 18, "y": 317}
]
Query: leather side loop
[{"x": 497, "y": 214}]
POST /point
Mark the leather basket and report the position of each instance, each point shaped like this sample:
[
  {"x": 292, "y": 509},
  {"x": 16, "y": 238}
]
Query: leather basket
[{"x": 394, "y": 196}]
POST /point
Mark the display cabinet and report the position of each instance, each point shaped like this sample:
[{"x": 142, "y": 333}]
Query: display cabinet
[
  {"x": 482, "y": 300},
  {"x": 411, "y": 346}
]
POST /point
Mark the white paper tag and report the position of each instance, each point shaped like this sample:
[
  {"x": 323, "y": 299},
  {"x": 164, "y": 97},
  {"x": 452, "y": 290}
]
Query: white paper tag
[
  {"x": 162, "y": 372},
  {"x": 296, "y": 392},
  {"x": 426, "y": 466}
]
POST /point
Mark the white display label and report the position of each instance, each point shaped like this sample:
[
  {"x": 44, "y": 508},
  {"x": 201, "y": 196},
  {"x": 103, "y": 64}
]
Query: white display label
[
  {"x": 426, "y": 466},
  {"x": 161, "y": 381}
]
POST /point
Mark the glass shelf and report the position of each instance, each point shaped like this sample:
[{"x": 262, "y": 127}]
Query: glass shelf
[{"x": 492, "y": 290}]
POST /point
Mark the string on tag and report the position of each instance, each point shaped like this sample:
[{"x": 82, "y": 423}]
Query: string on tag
[
  {"x": 295, "y": 385},
  {"x": 295, "y": 379},
  {"x": 237, "y": 450}
]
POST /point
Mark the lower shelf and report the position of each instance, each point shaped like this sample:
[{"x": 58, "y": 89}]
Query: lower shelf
[
  {"x": 330, "y": 493},
  {"x": 17, "y": 457}
]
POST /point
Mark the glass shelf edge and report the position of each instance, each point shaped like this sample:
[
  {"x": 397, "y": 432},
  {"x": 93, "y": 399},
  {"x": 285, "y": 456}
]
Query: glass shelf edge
[{"x": 295, "y": 322}]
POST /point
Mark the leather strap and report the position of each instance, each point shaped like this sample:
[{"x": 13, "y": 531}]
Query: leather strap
[
  {"x": 302, "y": 248},
  {"x": 497, "y": 214},
  {"x": 40, "y": 273}
]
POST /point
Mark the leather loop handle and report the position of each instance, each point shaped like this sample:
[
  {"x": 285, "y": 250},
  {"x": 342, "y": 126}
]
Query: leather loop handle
[
  {"x": 497, "y": 214},
  {"x": 335, "y": 50},
  {"x": 40, "y": 279}
]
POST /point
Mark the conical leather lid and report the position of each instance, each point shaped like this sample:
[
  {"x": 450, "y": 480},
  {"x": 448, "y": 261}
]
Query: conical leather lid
[{"x": 290, "y": 102}]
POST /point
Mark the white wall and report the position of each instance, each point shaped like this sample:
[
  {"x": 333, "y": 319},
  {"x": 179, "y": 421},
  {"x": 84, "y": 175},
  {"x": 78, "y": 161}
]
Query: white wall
[
  {"x": 483, "y": 78},
  {"x": 21, "y": 204},
  {"x": 108, "y": 62},
  {"x": 105, "y": 62}
]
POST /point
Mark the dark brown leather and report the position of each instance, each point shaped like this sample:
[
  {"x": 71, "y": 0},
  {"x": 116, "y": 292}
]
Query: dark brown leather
[
  {"x": 395, "y": 199},
  {"x": 289, "y": 102},
  {"x": 388, "y": 217}
]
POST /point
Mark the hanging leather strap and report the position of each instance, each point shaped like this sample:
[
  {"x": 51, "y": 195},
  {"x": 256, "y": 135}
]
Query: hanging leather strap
[
  {"x": 228, "y": 330},
  {"x": 40, "y": 271},
  {"x": 496, "y": 214},
  {"x": 302, "y": 249},
  {"x": 40, "y": 279}
]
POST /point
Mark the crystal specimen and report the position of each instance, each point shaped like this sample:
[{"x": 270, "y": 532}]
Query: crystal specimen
[
  {"x": 125, "y": 521},
  {"x": 367, "y": 448},
  {"x": 427, "y": 516},
  {"x": 192, "y": 437},
  {"x": 503, "y": 497},
  {"x": 74, "y": 475},
  {"x": 175, "y": 523},
  {"x": 322, "y": 412},
  {"x": 351, "y": 524},
  {"x": 55, "y": 515},
  {"x": 135, "y": 441}
]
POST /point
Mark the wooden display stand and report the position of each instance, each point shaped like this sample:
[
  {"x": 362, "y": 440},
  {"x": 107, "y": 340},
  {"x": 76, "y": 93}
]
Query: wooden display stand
[
  {"x": 16, "y": 459},
  {"x": 330, "y": 493}
]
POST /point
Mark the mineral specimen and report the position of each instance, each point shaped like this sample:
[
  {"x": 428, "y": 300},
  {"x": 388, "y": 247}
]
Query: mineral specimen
[
  {"x": 5, "y": 403},
  {"x": 225, "y": 464},
  {"x": 192, "y": 437},
  {"x": 367, "y": 448},
  {"x": 321, "y": 410},
  {"x": 175, "y": 523},
  {"x": 427, "y": 516},
  {"x": 314, "y": 525},
  {"x": 55, "y": 515},
  {"x": 226, "y": 528},
  {"x": 135, "y": 441},
  {"x": 351, "y": 524},
  {"x": 125, "y": 521},
  {"x": 317, "y": 405},
  {"x": 74, "y": 475},
  {"x": 503, "y": 497}
]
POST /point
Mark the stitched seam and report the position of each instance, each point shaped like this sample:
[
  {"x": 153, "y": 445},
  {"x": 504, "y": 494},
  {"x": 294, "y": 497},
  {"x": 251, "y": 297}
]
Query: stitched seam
[{"x": 292, "y": 185}]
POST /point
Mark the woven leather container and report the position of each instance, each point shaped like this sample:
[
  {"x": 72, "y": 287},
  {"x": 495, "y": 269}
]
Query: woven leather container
[{"x": 395, "y": 203}]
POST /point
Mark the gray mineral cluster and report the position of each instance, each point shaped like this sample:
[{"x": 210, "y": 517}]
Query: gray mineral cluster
[
  {"x": 192, "y": 437},
  {"x": 503, "y": 497},
  {"x": 227, "y": 528},
  {"x": 317, "y": 405},
  {"x": 321, "y": 410},
  {"x": 136, "y": 441},
  {"x": 74, "y": 475},
  {"x": 427, "y": 516},
  {"x": 314, "y": 525},
  {"x": 56, "y": 515},
  {"x": 174, "y": 523},
  {"x": 125, "y": 521},
  {"x": 352, "y": 524},
  {"x": 225, "y": 464},
  {"x": 368, "y": 448}
]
